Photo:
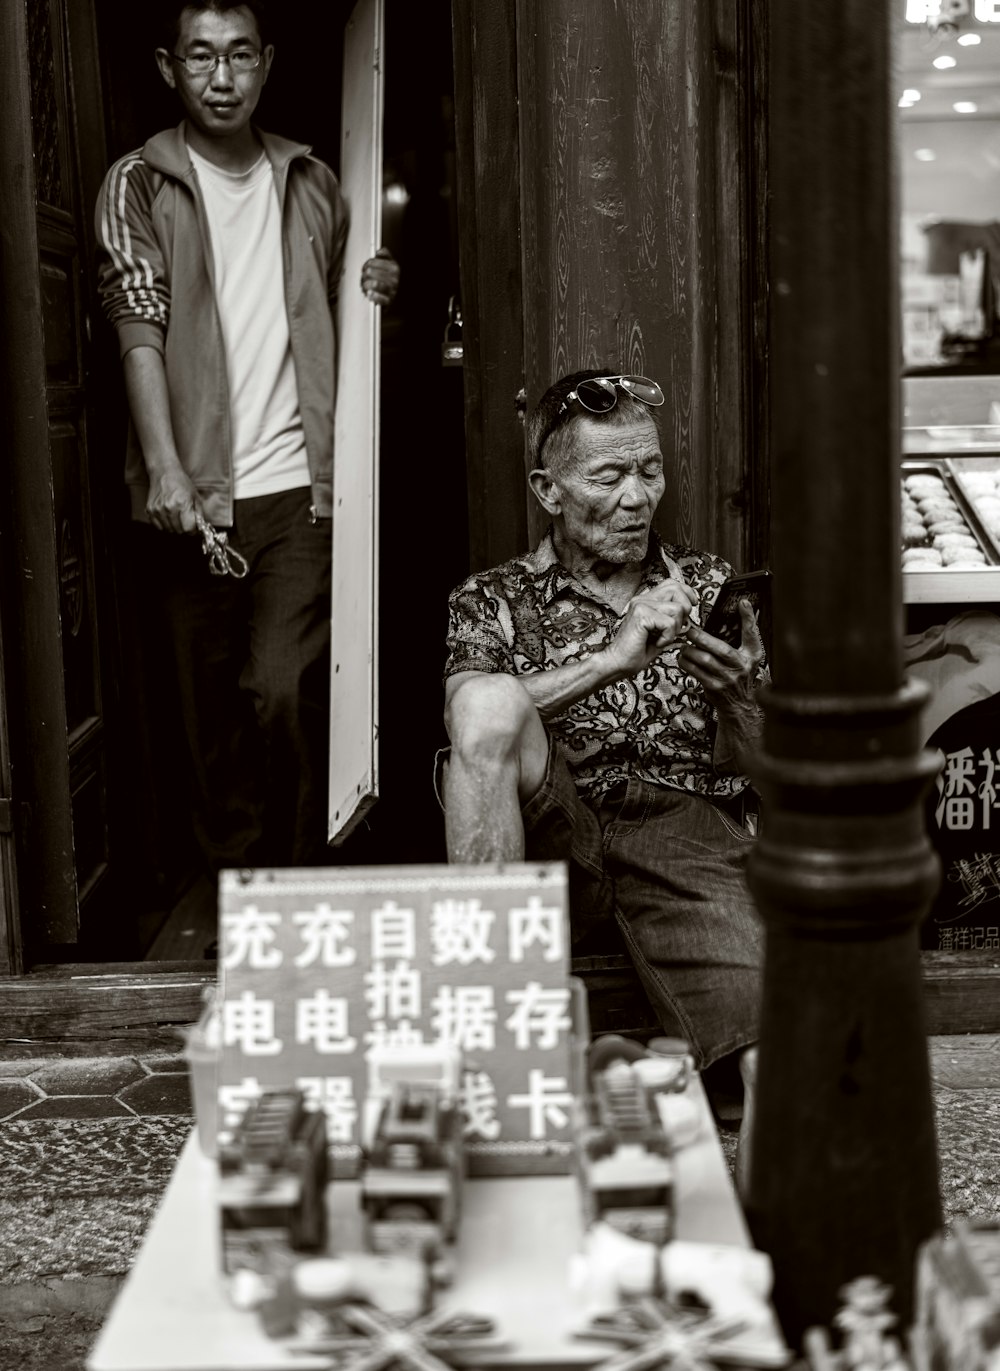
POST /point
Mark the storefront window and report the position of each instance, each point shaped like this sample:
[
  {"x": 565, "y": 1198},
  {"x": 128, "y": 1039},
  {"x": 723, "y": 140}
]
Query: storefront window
[
  {"x": 948, "y": 94},
  {"x": 947, "y": 90}
]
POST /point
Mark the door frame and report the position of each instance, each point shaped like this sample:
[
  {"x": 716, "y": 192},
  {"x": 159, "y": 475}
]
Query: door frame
[{"x": 31, "y": 603}]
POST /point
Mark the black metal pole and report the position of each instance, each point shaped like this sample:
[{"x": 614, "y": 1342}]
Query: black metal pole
[{"x": 844, "y": 1179}]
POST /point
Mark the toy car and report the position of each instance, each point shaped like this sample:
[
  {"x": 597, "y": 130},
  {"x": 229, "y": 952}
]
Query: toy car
[
  {"x": 623, "y": 1154},
  {"x": 411, "y": 1179},
  {"x": 272, "y": 1179}
]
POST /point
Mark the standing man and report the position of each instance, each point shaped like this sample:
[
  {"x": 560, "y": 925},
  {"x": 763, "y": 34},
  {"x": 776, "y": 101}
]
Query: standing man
[
  {"x": 220, "y": 254},
  {"x": 593, "y": 720}
]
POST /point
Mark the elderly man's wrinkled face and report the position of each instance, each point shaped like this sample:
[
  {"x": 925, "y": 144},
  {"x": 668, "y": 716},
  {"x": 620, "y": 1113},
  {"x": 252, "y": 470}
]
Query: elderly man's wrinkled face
[{"x": 608, "y": 487}]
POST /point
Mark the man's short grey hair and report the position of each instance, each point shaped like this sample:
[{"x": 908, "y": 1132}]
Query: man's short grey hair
[{"x": 550, "y": 427}]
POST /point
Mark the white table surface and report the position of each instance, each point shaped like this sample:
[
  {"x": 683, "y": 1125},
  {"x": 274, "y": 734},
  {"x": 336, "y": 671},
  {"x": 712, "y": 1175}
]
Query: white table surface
[{"x": 512, "y": 1261}]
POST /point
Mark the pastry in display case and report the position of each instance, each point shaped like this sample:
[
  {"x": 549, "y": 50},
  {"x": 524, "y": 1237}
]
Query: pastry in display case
[
  {"x": 978, "y": 478},
  {"x": 950, "y": 489},
  {"x": 942, "y": 529}
]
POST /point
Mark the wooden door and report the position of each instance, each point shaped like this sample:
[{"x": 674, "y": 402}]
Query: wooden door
[
  {"x": 611, "y": 207},
  {"x": 354, "y": 636},
  {"x": 54, "y": 574}
]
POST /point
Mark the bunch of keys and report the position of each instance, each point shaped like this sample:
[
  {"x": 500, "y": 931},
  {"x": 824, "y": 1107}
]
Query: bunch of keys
[{"x": 223, "y": 560}]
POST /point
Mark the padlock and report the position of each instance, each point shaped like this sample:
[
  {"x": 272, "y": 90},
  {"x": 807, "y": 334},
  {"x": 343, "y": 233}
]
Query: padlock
[{"x": 451, "y": 344}]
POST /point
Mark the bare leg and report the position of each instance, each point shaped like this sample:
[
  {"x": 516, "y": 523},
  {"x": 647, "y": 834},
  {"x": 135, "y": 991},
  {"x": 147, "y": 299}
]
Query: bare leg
[
  {"x": 498, "y": 754},
  {"x": 748, "y": 1070}
]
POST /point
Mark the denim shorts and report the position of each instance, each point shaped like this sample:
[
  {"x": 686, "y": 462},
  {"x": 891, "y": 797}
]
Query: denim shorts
[{"x": 668, "y": 866}]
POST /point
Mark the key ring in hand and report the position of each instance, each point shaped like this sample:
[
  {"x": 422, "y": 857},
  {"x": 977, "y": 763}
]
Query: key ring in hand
[{"x": 223, "y": 560}]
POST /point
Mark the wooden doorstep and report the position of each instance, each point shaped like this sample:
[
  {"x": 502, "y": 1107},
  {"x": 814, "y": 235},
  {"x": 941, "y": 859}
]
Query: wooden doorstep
[
  {"x": 141, "y": 1005},
  {"x": 91, "y": 1010},
  {"x": 968, "y": 1062},
  {"x": 961, "y": 992}
]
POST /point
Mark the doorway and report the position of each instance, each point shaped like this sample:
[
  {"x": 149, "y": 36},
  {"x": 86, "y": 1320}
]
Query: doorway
[{"x": 160, "y": 905}]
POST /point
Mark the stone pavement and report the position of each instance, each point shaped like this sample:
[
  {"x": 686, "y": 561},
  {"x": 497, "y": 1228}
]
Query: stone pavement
[
  {"x": 86, "y": 1149},
  {"x": 87, "y": 1146}
]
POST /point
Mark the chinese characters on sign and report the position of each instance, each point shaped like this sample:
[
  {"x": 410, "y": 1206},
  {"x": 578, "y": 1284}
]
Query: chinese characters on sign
[
  {"x": 319, "y": 967},
  {"x": 977, "y": 880},
  {"x": 979, "y": 939},
  {"x": 967, "y": 790},
  {"x": 963, "y": 815}
]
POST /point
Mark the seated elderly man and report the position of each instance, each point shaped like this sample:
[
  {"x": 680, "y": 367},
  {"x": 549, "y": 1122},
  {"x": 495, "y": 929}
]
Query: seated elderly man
[{"x": 592, "y": 719}]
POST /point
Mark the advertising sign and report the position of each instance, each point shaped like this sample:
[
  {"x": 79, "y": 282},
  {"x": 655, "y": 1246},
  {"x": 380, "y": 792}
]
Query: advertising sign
[{"x": 321, "y": 967}]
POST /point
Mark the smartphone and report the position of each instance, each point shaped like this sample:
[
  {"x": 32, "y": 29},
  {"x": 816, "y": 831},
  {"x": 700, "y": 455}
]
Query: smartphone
[{"x": 724, "y": 617}]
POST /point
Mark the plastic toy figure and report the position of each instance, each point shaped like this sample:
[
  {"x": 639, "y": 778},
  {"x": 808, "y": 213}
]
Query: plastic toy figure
[{"x": 865, "y": 1320}]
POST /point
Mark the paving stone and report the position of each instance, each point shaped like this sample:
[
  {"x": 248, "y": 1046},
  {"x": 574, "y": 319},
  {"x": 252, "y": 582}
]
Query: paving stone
[
  {"x": 166, "y": 1094},
  {"x": 76, "y": 1107},
  {"x": 971, "y": 1062},
  {"x": 14, "y": 1095},
  {"x": 164, "y": 1061},
  {"x": 60, "y": 1345},
  {"x": 87, "y": 1076},
  {"x": 968, "y": 1124},
  {"x": 80, "y": 1157},
  {"x": 71, "y": 1238},
  {"x": 15, "y": 1070}
]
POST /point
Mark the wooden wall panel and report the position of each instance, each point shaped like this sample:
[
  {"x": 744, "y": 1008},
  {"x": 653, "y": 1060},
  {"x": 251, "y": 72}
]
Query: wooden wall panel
[
  {"x": 633, "y": 227},
  {"x": 30, "y": 584},
  {"x": 488, "y": 174},
  {"x": 758, "y": 413}
]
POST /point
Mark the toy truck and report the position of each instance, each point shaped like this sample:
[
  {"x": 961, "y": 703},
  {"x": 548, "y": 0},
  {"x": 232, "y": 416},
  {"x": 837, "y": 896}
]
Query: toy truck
[
  {"x": 412, "y": 1173},
  {"x": 272, "y": 1180},
  {"x": 623, "y": 1155}
]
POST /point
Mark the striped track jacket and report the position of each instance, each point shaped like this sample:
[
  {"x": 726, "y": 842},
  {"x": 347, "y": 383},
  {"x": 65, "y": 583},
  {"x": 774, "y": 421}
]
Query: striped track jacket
[{"x": 155, "y": 277}]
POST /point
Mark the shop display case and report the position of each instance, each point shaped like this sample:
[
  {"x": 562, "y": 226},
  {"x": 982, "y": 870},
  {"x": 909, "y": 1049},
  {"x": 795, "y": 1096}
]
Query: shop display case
[{"x": 950, "y": 490}]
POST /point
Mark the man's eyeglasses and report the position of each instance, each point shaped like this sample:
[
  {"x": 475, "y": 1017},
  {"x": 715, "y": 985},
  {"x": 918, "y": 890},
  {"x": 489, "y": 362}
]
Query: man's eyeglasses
[
  {"x": 600, "y": 393},
  {"x": 240, "y": 61}
]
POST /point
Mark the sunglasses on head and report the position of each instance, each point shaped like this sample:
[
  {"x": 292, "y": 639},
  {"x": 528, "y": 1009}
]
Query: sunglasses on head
[{"x": 599, "y": 394}]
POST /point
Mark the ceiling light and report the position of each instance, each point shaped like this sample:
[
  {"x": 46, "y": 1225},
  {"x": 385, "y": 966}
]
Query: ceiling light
[
  {"x": 925, "y": 155},
  {"x": 965, "y": 106},
  {"x": 910, "y": 96},
  {"x": 944, "y": 62},
  {"x": 969, "y": 40}
]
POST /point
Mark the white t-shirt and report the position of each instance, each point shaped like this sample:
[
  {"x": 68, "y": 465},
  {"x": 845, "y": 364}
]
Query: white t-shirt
[{"x": 244, "y": 218}]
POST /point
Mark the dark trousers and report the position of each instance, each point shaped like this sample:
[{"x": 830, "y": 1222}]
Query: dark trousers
[
  {"x": 252, "y": 660},
  {"x": 669, "y": 867}
]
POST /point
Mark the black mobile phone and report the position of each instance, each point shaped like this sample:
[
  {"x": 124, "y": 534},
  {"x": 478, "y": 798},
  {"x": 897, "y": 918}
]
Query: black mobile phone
[{"x": 724, "y": 617}]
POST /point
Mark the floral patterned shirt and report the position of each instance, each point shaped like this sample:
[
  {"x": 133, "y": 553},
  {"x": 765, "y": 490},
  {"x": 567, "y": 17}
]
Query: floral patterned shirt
[{"x": 531, "y": 614}]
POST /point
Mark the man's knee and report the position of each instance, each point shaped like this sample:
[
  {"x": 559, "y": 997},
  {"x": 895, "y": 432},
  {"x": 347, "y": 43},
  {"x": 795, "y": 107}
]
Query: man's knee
[
  {"x": 489, "y": 717},
  {"x": 284, "y": 696},
  {"x": 748, "y": 1066}
]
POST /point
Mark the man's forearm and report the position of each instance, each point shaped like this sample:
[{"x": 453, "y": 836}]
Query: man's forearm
[
  {"x": 553, "y": 691},
  {"x": 149, "y": 405}
]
